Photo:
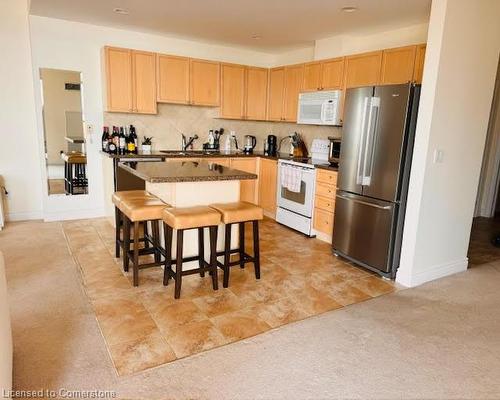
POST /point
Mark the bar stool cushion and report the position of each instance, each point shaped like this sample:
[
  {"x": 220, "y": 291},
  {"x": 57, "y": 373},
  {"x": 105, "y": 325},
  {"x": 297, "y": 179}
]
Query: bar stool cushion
[
  {"x": 240, "y": 211},
  {"x": 190, "y": 217},
  {"x": 145, "y": 209},
  {"x": 119, "y": 196},
  {"x": 74, "y": 157}
]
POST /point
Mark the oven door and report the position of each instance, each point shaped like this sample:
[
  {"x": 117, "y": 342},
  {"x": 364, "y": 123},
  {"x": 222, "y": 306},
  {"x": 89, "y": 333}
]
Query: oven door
[{"x": 298, "y": 202}]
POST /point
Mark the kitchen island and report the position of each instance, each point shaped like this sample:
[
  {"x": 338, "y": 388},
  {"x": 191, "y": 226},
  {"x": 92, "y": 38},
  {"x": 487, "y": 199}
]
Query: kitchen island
[{"x": 191, "y": 183}]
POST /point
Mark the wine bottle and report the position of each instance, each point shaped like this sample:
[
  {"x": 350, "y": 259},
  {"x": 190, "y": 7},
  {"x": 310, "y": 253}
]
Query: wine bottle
[
  {"x": 121, "y": 141},
  {"x": 105, "y": 139},
  {"x": 133, "y": 135},
  {"x": 130, "y": 143}
]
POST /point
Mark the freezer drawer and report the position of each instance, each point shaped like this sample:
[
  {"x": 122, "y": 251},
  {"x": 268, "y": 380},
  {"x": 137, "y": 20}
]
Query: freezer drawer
[{"x": 363, "y": 230}]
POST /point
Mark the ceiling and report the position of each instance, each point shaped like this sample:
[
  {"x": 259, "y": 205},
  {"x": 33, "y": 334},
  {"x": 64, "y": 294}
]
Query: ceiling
[{"x": 281, "y": 25}]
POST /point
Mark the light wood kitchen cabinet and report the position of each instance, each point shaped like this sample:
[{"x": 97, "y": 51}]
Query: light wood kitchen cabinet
[
  {"x": 418, "y": 71},
  {"x": 294, "y": 76},
  {"x": 232, "y": 91},
  {"x": 397, "y": 65},
  {"x": 363, "y": 69},
  {"x": 172, "y": 79},
  {"x": 268, "y": 173},
  {"x": 204, "y": 82},
  {"x": 248, "y": 187},
  {"x": 130, "y": 81},
  {"x": 324, "y": 202},
  {"x": 256, "y": 93},
  {"x": 312, "y": 77},
  {"x": 332, "y": 74},
  {"x": 144, "y": 82},
  {"x": 276, "y": 93},
  {"x": 323, "y": 75}
]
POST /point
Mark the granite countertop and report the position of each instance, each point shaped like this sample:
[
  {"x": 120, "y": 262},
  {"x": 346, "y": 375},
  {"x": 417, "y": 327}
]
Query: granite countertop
[
  {"x": 205, "y": 154},
  {"x": 184, "y": 171}
]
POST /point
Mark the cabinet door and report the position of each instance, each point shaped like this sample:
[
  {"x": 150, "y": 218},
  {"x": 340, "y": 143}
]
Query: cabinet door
[
  {"x": 232, "y": 91},
  {"x": 267, "y": 185},
  {"x": 363, "y": 69},
  {"x": 312, "y": 77},
  {"x": 248, "y": 187},
  {"x": 172, "y": 79},
  {"x": 332, "y": 74},
  {"x": 256, "y": 93},
  {"x": 118, "y": 79},
  {"x": 293, "y": 83},
  {"x": 204, "y": 82},
  {"x": 419, "y": 63},
  {"x": 398, "y": 65},
  {"x": 144, "y": 82},
  {"x": 276, "y": 93}
]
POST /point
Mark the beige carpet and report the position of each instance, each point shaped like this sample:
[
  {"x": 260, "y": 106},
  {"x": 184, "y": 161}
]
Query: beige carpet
[{"x": 441, "y": 340}]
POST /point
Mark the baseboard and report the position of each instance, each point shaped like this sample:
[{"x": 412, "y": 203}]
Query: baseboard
[
  {"x": 74, "y": 214},
  {"x": 23, "y": 216},
  {"x": 433, "y": 273}
]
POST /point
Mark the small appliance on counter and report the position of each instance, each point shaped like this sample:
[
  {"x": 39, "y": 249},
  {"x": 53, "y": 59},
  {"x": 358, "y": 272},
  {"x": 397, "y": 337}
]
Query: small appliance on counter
[
  {"x": 334, "y": 151},
  {"x": 250, "y": 142},
  {"x": 213, "y": 140},
  {"x": 271, "y": 146},
  {"x": 231, "y": 143}
]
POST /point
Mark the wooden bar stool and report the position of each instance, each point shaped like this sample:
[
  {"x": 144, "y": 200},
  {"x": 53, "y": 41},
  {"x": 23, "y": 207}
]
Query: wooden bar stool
[
  {"x": 117, "y": 199},
  {"x": 183, "y": 219},
  {"x": 239, "y": 213},
  {"x": 137, "y": 210}
]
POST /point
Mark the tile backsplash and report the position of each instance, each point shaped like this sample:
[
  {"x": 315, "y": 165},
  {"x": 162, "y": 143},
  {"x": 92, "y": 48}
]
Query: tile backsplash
[{"x": 172, "y": 120}]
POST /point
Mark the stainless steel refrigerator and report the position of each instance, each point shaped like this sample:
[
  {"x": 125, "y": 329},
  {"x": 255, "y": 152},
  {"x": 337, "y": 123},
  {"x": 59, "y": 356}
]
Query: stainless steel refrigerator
[{"x": 374, "y": 168}]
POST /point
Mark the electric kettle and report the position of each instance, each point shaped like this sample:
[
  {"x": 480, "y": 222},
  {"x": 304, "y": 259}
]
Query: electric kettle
[{"x": 249, "y": 144}]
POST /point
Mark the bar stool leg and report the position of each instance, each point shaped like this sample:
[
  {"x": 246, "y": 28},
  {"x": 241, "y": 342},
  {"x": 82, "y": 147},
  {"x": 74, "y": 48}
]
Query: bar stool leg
[
  {"x": 126, "y": 242},
  {"x": 213, "y": 256},
  {"x": 227, "y": 255},
  {"x": 156, "y": 240},
  {"x": 201, "y": 251},
  {"x": 256, "y": 249},
  {"x": 146, "y": 230},
  {"x": 135, "y": 262},
  {"x": 168, "y": 253},
  {"x": 117, "y": 232},
  {"x": 178, "y": 265},
  {"x": 242, "y": 244}
]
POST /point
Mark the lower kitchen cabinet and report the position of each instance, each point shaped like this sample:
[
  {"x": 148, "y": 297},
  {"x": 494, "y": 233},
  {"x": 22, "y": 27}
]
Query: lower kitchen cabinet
[
  {"x": 248, "y": 188},
  {"x": 324, "y": 203},
  {"x": 268, "y": 174}
]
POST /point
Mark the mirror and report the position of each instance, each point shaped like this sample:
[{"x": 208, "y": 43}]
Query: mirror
[{"x": 64, "y": 139}]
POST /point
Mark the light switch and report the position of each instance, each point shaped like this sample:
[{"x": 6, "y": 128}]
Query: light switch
[{"x": 438, "y": 156}]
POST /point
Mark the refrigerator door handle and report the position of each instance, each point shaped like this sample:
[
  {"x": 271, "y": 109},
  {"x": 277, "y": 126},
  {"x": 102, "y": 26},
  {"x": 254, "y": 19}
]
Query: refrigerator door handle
[
  {"x": 362, "y": 144},
  {"x": 370, "y": 141},
  {"x": 365, "y": 203}
]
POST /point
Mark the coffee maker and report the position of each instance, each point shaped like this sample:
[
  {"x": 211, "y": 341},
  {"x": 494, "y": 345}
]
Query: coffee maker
[
  {"x": 249, "y": 144},
  {"x": 271, "y": 146}
]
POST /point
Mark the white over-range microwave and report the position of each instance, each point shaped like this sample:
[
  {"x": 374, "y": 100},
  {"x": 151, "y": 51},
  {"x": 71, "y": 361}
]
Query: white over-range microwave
[{"x": 320, "y": 108}]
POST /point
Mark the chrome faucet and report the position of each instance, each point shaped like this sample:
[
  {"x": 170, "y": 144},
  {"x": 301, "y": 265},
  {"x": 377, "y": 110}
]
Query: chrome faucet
[{"x": 186, "y": 143}]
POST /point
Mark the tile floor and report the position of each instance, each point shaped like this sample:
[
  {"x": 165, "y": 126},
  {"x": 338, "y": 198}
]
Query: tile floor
[{"x": 145, "y": 327}]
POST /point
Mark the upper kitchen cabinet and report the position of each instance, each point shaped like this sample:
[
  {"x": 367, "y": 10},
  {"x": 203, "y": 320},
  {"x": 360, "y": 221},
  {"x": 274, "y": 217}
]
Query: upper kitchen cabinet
[
  {"x": 232, "y": 91},
  {"x": 204, "y": 86},
  {"x": 276, "y": 93},
  {"x": 323, "y": 75},
  {"x": 172, "y": 79},
  {"x": 363, "y": 69},
  {"x": 332, "y": 74},
  {"x": 419, "y": 63},
  {"x": 312, "y": 77},
  {"x": 256, "y": 93},
  {"x": 131, "y": 81},
  {"x": 294, "y": 76},
  {"x": 397, "y": 65}
]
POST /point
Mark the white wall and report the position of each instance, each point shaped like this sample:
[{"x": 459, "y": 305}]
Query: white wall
[
  {"x": 342, "y": 45},
  {"x": 19, "y": 151},
  {"x": 459, "y": 76}
]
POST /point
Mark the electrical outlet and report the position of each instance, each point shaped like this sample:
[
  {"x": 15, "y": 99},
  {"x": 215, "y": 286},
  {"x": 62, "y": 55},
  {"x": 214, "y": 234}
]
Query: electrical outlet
[{"x": 438, "y": 156}]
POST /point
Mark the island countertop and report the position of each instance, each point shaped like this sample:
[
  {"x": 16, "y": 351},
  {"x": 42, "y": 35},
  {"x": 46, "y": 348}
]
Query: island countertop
[{"x": 184, "y": 171}]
